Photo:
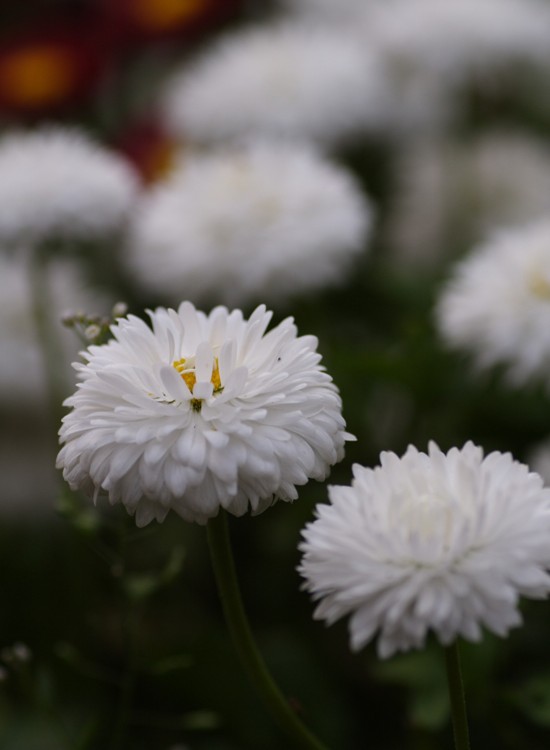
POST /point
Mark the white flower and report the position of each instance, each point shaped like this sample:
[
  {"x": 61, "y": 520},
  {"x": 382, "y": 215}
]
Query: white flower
[
  {"x": 291, "y": 80},
  {"x": 23, "y": 380},
  {"x": 457, "y": 38},
  {"x": 497, "y": 303},
  {"x": 57, "y": 183},
  {"x": 240, "y": 224},
  {"x": 441, "y": 542},
  {"x": 328, "y": 10},
  {"x": 450, "y": 193},
  {"x": 201, "y": 412}
]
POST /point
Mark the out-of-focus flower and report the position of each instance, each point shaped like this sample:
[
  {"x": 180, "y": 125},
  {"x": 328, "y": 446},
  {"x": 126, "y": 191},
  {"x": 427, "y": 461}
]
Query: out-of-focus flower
[
  {"x": 539, "y": 459},
  {"x": 22, "y": 374},
  {"x": 150, "y": 149},
  {"x": 440, "y": 542},
  {"x": 241, "y": 224},
  {"x": 49, "y": 67},
  {"x": 461, "y": 37},
  {"x": 449, "y": 194},
  {"x": 148, "y": 19},
  {"x": 496, "y": 305},
  {"x": 287, "y": 79},
  {"x": 56, "y": 183},
  {"x": 201, "y": 413}
]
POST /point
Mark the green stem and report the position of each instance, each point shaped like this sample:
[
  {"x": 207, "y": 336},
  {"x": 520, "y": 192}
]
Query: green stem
[
  {"x": 48, "y": 341},
  {"x": 228, "y": 588},
  {"x": 456, "y": 694}
]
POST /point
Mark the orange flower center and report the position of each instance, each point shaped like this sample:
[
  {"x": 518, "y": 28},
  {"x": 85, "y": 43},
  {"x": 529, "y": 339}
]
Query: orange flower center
[
  {"x": 160, "y": 15},
  {"x": 37, "y": 76}
]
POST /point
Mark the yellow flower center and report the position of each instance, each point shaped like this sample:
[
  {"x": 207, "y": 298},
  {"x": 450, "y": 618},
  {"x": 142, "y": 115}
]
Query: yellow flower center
[{"x": 186, "y": 369}]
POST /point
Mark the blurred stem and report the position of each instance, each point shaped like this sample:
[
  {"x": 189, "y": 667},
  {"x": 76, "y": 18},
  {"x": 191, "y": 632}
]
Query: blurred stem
[
  {"x": 456, "y": 694},
  {"x": 130, "y": 621},
  {"x": 237, "y": 622},
  {"x": 47, "y": 338}
]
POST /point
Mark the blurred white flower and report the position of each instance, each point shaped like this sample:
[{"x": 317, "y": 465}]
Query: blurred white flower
[
  {"x": 342, "y": 11},
  {"x": 539, "y": 459},
  {"x": 497, "y": 303},
  {"x": 255, "y": 223},
  {"x": 201, "y": 412},
  {"x": 458, "y": 38},
  {"x": 440, "y": 542},
  {"x": 293, "y": 80},
  {"x": 451, "y": 193},
  {"x": 22, "y": 374},
  {"x": 56, "y": 183}
]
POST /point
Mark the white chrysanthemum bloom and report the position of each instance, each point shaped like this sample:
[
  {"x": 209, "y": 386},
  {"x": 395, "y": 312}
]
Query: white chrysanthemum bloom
[
  {"x": 201, "y": 413},
  {"x": 56, "y": 183},
  {"x": 286, "y": 80},
  {"x": 429, "y": 542},
  {"x": 22, "y": 376},
  {"x": 458, "y": 38},
  {"x": 256, "y": 223},
  {"x": 497, "y": 303},
  {"x": 448, "y": 194}
]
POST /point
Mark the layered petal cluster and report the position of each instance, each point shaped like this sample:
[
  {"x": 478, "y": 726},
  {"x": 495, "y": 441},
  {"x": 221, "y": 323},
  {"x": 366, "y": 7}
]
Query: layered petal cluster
[
  {"x": 292, "y": 80},
  {"x": 429, "y": 542},
  {"x": 260, "y": 222},
  {"x": 56, "y": 183},
  {"x": 497, "y": 303},
  {"x": 201, "y": 412}
]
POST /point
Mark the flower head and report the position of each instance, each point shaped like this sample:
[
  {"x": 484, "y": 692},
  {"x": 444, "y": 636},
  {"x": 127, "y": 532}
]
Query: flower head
[
  {"x": 457, "y": 38},
  {"x": 201, "y": 412},
  {"x": 242, "y": 224},
  {"x": 497, "y": 303},
  {"x": 291, "y": 80},
  {"x": 55, "y": 183},
  {"x": 441, "y": 542}
]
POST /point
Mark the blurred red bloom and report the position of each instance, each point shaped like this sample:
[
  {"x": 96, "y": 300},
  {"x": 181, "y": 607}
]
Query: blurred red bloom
[
  {"x": 45, "y": 68},
  {"x": 139, "y": 19},
  {"x": 149, "y": 148}
]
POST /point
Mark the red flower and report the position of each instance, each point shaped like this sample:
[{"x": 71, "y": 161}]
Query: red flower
[
  {"x": 44, "y": 69},
  {"x": 139, "y": 19},
  {"x": 149, "y": 148}
]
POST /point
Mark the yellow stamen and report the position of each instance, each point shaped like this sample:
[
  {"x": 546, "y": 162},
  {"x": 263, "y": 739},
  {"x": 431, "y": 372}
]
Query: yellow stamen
[{"x": 188, "y": 374}]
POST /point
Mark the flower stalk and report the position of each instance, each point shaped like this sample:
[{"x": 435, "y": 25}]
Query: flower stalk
[
  {"x": 456, "y": 694},
  {"x": 237, "y": 622}
]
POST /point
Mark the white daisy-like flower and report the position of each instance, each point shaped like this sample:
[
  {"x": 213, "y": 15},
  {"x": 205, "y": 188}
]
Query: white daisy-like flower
[
  {"x": 201, "y": 413},
  {"x": 328, "y": 10},
  {"x": 260, "y": 222},
  {"x": 56, "y": 183},
  {"x": 289, "y": 79},
  {"x": 496, "y": 305},
  {"x": 458, "y": 38},
  {"x": 429, "y": 542}
]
